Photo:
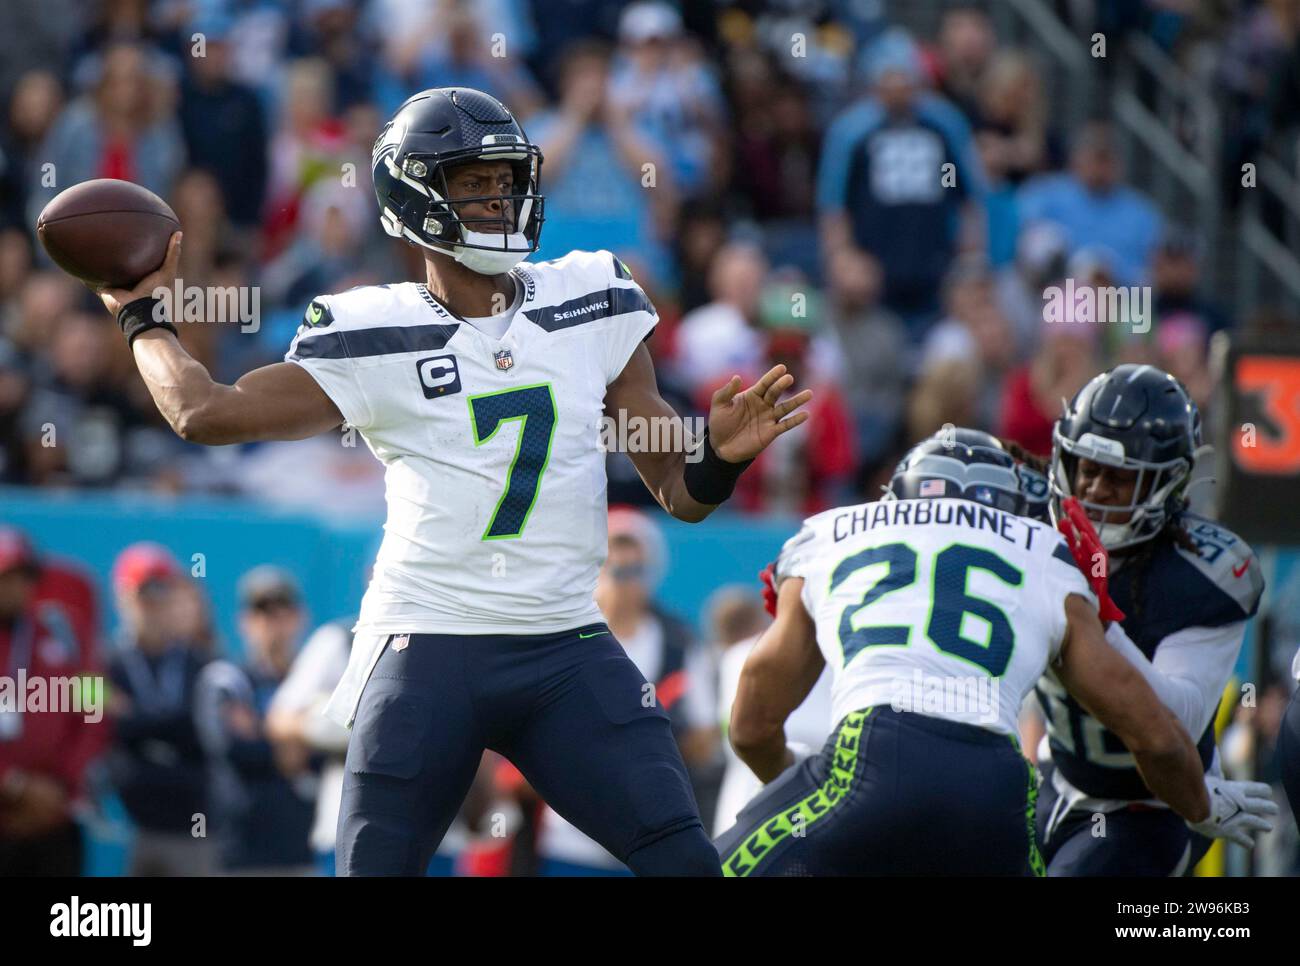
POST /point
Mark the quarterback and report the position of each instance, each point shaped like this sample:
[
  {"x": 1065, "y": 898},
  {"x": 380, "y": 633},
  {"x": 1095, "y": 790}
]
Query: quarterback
[{"x": 482, "y": 390}]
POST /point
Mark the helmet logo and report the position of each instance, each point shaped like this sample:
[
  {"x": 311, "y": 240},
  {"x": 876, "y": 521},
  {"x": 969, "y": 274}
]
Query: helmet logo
[{"x": 1091, "y": 445}]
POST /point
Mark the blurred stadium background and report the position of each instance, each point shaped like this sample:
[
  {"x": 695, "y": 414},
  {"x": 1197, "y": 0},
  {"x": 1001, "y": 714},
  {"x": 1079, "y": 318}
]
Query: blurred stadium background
[{"x": 715, "y": 147}]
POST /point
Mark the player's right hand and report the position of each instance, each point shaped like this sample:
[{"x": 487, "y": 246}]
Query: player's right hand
[
  {"x": 164, "y": 277},
  {"x": 1090, "y": 556},
  {"x": 1238, "y": 810}
]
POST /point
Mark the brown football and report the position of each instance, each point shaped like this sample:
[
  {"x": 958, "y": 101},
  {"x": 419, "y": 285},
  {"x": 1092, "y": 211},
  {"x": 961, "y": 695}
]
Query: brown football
[{"x": 107, "y": 232}]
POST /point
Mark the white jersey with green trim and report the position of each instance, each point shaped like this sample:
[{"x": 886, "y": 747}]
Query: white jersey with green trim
[
  {"x": 495, "y": 479},
  {"x": 944, "y": 607}
]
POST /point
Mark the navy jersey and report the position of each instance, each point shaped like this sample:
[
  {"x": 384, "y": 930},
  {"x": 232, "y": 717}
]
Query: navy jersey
[{"x": 1170, "y": 591}]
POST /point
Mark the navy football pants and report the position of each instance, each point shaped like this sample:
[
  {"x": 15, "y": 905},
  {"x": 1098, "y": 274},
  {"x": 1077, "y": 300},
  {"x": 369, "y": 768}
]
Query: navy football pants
[
  {"x": 1135, "y": 841},
  {"x": 568, "y": 709},
  {"x": 893, "y": 793}
]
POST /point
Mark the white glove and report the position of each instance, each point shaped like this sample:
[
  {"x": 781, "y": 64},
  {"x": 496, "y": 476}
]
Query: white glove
[{"x": 1237, "y": 810}]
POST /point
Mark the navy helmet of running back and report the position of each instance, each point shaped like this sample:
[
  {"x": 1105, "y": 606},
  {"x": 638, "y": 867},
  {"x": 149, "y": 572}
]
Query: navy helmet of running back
[
  {"x": 433, "y": 131},
  {"x": 1133, "y": 417},
  {"x": 964, "y": 464}
]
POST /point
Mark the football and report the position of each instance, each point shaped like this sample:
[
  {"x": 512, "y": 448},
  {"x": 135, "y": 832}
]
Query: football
[{"x": 106, "y": 232}]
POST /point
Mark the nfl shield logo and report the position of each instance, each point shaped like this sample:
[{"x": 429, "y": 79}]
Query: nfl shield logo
[
  {"x": 400, "y": 641},
  {"x": 504, "y": 359}
]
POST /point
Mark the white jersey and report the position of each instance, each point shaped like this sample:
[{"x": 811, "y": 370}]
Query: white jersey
[
  {"x": 945, "y": 607},
  {"x": 495, "y": 480}
]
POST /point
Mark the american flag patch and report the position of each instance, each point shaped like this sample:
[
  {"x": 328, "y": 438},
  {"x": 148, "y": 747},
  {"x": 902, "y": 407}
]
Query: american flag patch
[
  {"x": 504, "y": 359},
  {"x": 931, "y": 488}
]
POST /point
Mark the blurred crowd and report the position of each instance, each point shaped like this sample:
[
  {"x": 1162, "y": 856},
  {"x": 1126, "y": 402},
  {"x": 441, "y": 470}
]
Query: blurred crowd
[{"x": 798, "y": 183}]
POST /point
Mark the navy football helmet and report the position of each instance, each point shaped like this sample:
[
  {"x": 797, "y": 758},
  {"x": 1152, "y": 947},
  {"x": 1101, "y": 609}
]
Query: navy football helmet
[
  {"x": 964, "y": 464},
  {"x": 430, "y": 132},
  {"x": 1133, "y": 417}
]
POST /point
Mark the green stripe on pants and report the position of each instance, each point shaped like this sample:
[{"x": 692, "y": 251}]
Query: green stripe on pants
[{"x": 796, "y": 819}]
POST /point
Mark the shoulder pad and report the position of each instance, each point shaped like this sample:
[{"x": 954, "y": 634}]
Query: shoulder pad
[
  {"x": 793, "y": 552},
  {"x": 593, "y": 268},
  {"x": 1225, "y": 561}
]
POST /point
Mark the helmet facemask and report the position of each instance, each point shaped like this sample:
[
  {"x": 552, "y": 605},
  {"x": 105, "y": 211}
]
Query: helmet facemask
[
  {"x": 1156, "y": 491},
  {"x": 513, "y": 235}
]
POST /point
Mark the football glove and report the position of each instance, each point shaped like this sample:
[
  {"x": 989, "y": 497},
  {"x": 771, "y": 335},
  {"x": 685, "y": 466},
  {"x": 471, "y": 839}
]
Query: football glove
[
  {"x": 767, "y": 576},
  {"x": 1085, "y": 546},
  {"x": 1238, "y": 810}
]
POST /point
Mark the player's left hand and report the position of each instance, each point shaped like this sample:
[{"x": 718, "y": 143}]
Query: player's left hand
[
  {"x": 742, "y": 424},
  {"x": 768, "y": 578},
  {"x": 1238, "y": 810}
]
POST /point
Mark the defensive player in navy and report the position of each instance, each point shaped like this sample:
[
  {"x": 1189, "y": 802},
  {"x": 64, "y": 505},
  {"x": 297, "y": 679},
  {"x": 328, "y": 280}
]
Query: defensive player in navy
[
  {"x": 1183, "y": 588},
  {"x": 937, "y": 609},
  {"x": 481, "y": 389}
]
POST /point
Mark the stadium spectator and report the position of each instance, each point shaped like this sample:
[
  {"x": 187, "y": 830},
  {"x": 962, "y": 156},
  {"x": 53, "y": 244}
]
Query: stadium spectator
[
  {"x": 721, "y": 338},
  {"x": 224, "y": 127},
  {"x": 1066, "y": 359},
  {"x": 15, "y": 392},
  {"x": 608, "y": 184},
  {"x": 46, "y": 743},
  {"x": 963, "y": 56},
  {"x": 450, "y": 46},
  {"x": 1094, "y": 207},
  {"x": 329, "y": 29},
  {"x": 883, "y": 187},
  {"x": 661, "y": 82},
  {"x": 37, "y": 100},
  {"x": 1020, "y": 286},
  {"x": 157, "y": 764},
  {"x": 1176, "y": 273},
  {"x": 298, "y": 729},
  {"x": 800, "y": 473},
  {"x": 309, "y": 143},
  {"x": 806, "y": 730},
  {"x": 872, "y": 343},
  {"x": 776, "y": 145},
  {"x": 731, "y": 613},
  {"x": 263, "y": 794},
  {"x": 974, "y": 329},
  {"x": 125, "y": 128},
  {"x": 1015, "y": 142}
]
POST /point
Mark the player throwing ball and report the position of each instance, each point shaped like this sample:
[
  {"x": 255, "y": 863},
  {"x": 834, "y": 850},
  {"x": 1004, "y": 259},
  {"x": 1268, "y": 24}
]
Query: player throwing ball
[
  {"x": 481, "y": 389},
  {"x": 937, "y": 608}
]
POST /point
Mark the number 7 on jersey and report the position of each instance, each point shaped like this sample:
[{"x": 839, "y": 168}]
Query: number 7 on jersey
[{"x": 534, "y": 407}]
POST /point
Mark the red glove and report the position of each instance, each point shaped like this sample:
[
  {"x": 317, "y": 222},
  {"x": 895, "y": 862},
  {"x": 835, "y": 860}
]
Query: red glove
[
  {"x": 769, "y": 588},
  {"x": 1086, "y": 548}
]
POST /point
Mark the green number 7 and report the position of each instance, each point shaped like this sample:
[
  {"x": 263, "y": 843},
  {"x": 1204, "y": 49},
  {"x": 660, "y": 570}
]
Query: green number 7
[{"x": 534, "y": 406}]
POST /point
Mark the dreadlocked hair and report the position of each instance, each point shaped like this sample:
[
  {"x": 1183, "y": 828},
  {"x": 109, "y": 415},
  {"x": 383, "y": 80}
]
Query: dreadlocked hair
[{"x": 1022, "y": 455}]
